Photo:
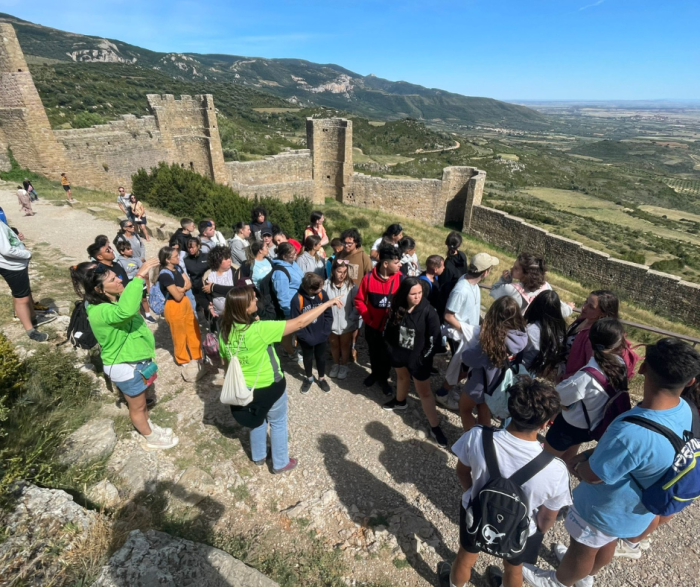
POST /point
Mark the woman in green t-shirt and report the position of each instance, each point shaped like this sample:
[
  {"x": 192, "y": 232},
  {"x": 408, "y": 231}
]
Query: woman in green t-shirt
[
  {"x": 252, "y": 340},
  {"x": 127, "y": 345}
]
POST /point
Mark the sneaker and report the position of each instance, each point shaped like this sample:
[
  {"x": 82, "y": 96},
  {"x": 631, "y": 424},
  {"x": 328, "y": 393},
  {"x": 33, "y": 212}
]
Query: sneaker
[
  {"x": 369, "y": 381},
  {"x": 37, "y": 336},
  {"x": 166, "y": 431},
  {"x": 343, "y": 372},
  {"x": 394, "y": 405},
  {"x": 438, "y": 436},
  {"x": 447, "y": 401},
  {"x": 386, "y": 388},
  {"x": 323, "y": 384},
  {"x": 159, "y": 441},
  {"x": 306, "y": 385},
  {"x": 494, "y": 576},
  {"x": 335, "y": 369},
  {"x": 260, "y": 463},
  {"x": 560, "y": 551},
  {"x": 537, "y": 577},
  {"x": 626, "y": 549},
  {"x": 443, "y": 572},
  {"x": 290, "y": 465},
  {"x": 151, "y": 320},
  {"x": 41, "y": 319},
  {"x": 645, "y": 544}
]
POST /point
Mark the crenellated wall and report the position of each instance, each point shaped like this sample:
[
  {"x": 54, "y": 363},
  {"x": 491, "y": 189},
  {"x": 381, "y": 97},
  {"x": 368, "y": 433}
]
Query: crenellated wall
[{"x": 667, "y": 294}]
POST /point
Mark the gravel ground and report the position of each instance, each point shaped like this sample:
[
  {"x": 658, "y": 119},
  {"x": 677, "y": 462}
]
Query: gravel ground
[{"x": 369, "y": 481}]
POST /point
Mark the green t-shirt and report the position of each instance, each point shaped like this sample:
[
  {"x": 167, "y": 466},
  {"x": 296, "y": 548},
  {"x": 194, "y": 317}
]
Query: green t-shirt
[{"x": 256, "y": 352}]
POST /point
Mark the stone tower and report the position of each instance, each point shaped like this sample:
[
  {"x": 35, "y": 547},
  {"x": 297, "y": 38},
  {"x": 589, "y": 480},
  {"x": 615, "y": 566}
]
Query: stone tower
[
  {"x": 330, "y": 141},
  {"x": 24, "y": 126}
]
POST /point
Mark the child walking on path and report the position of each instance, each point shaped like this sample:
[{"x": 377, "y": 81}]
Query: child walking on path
[{"x": 312, "y": 339}]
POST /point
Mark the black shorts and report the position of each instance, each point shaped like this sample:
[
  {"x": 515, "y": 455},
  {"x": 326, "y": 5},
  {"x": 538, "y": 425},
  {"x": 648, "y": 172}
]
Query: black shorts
[
  {"x": 419, "y": 372},
  {"x": 18, "y": 282},
  {"x": 529, "y": 555},
  {"x": 562, "y": 435},
  {"x": 66, "y": 188}
]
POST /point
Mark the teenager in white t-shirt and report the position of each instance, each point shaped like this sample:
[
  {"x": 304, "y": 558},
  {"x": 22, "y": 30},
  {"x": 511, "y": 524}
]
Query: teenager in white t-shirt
[
  {"x": 392, "y": 235},
  {"x": 531, "y": 404}
]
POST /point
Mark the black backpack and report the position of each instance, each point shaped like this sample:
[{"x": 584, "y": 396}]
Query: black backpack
[
  {"x": 268, "y": 306},
  {"x": 498, "y": 520},
  {"x": 79, "y": 333}
]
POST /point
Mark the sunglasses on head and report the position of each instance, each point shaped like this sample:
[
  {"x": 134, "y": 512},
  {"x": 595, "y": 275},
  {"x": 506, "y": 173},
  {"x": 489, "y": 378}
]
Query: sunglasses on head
[{"x": 342, "y": 262}]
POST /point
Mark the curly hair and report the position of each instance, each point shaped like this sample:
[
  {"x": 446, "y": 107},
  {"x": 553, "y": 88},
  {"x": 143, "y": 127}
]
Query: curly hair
[
  {"x": 534, "y": 269},
  {"x": 217, "y": 256},
  {"x": 504, "y": 315},
  {"x": 531, "y": 403}
]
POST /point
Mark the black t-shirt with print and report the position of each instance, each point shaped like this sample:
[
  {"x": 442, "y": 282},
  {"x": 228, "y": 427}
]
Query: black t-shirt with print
[
  {"x": 118, "y": 270},
  {"x": 165, "y": 279}
]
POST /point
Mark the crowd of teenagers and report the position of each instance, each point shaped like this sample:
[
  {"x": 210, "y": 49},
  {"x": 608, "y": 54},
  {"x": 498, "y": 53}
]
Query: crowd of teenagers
[{"x": 518, "y": 366}]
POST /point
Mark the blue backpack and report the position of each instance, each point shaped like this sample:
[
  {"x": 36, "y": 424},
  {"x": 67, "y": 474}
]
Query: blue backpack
[
  {"x": 680, "y": 484},
  {"x": 156, "y": 299}
]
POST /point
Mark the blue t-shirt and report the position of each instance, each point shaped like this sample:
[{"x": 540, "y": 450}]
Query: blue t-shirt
[
  {"x": 615, "y": 506},
  {"x": 465, "y": 302}
]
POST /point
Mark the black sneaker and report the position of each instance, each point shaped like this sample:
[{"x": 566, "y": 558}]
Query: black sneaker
[
  {"x": 494, "y": 576},
  {"x": 394, "y": 405},
  {"x": 386, "y": 388},
  {"x": 323, "y": 384},
  {"x": 439, "y": 436},
  {"x": 306, "y": 385},
  {"x": 443, "y": 571},
  {"x": 38, "y": 336},
  {"x": 369, "y": 381},
  {"x": 41, "y": 319}
]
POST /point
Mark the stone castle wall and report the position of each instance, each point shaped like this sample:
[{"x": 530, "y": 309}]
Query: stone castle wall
[{"x": 667, "y": 294}]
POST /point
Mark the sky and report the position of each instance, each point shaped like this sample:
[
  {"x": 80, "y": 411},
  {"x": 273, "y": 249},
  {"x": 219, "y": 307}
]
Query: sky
[{"x": 509, "y": 50}]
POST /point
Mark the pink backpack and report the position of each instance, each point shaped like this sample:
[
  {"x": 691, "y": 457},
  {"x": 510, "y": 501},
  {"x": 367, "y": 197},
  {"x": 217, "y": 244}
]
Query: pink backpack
[{"x": 528, "y": 296}]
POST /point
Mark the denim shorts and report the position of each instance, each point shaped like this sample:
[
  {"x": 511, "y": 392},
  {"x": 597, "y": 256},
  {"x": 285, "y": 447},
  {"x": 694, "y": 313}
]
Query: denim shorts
[{"x": 132, "y": 387}]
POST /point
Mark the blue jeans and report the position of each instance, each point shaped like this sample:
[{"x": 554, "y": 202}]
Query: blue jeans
[{"x": 277, "y": 419}]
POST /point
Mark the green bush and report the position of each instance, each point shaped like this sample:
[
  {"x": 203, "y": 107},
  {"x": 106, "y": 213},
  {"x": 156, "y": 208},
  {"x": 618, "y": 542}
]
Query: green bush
[
  {"x": 182, "y": 192},
  {"x": 668, "y": 265},
  {"x": 86, "y": 120},
  {"x": 42, "y": 400},
  {"x": 16, "y": 173}
]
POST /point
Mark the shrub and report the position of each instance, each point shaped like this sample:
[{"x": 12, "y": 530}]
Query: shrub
[
  {"x": 360, "y": 222},
  {"x": 86, "y": 120},
  {"x": 182, "y": 192},
  {"x": 668, "y": 265}
]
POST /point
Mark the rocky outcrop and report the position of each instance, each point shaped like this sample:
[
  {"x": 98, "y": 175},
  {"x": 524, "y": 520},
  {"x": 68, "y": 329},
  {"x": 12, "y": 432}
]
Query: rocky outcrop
[
  {"x": 155, "y": 558},
  {"x": 92, "y": 441}
]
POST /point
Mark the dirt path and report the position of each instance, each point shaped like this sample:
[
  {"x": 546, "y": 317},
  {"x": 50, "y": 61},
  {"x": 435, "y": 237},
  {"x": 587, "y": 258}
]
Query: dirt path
[
  {"x": 457, "y": 145},
  {"x": 368, "y": 481}
]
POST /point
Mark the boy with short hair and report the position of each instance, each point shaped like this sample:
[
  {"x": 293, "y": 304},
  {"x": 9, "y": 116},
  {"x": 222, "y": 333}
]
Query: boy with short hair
[
  {"x": 607, "y": 502},
  {"x": 532, "y": 403},
  {"x": 434, "y": 266},
  {"x": 131, "y": 266}
]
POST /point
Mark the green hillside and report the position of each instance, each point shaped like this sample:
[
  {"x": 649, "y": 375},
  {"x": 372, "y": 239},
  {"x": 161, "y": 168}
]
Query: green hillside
[{"x": 296, "y": 81}]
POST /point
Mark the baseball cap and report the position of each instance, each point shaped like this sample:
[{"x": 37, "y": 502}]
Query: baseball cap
[
  {"x": 247, "y": 282},
  {"x": 481, "y": 262},
  {"x": 266, "y": 231}
]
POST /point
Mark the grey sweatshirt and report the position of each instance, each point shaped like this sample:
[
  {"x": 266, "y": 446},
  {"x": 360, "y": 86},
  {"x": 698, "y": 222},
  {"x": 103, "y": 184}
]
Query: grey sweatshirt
[
  {"x": 238, "y": 246},
  {"x": 345, "y": 319},
  {"x": 13, "y": 254}
]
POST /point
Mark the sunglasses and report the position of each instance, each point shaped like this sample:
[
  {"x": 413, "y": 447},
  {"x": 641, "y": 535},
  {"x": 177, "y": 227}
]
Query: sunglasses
[
  {"x": 129, "y": 226},
  {"x": 342, "y": 262},
  {"x": 348, "y": 244}
]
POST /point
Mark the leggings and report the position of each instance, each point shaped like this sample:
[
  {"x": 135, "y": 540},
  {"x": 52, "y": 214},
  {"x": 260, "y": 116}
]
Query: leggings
[{"x": 308, "y": 352}]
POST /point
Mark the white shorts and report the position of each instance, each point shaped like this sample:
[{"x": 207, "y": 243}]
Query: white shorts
[{"x": 584, "y": 533}]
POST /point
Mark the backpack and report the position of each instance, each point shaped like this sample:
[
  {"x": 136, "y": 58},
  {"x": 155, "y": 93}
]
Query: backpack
[
  {"x": 156, "y": 299},
  {"x": 618, "y": 403},
  {"x": 268, "y": 306},
  {"x": 79, "y": 332},
  {"x": 497, "y": 397},
  {"x": 528, "y": 296},
  {"x": 680, "y": 484},
  {"x": 497, "y": 520},
  {"x": 301, "y": 300}
]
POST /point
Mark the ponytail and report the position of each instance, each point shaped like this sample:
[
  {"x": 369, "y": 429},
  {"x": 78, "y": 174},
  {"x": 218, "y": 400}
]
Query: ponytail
[{"x": 607, "y": 337}]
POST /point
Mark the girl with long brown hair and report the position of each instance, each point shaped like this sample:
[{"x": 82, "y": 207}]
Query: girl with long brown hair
[
  {"x": 501, "y": 338},
  {"x": 243, "y": 334}
]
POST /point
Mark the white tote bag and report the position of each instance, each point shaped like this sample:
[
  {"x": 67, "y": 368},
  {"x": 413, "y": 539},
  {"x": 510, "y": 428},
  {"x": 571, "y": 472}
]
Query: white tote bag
[{"x": 235, "y": 392}]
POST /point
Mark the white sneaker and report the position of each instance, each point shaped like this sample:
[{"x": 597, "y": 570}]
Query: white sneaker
[
  {"x": 560, "y": 551},
  {"x": 448, "y": 401},
  {"x": 625, "y": 549},
  {"x": 159, "y": 441},
  {"x": 645, "y": 544},
  {"x": 334, "y": 370},
  {"x": 166, "y": 431},
  {"x": 343, "y": 372},
  {"x": 537, "y": 577}
]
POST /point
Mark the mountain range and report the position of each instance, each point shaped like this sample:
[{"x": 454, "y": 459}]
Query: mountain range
[{"x": 298, "y": 82}]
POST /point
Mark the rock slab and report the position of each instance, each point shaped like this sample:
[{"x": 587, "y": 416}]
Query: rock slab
[
  {"x": 193, "y": 486},
  {"x": 155, "y": 558},
  {"x": 91, "y": 442},
  {"x": 104, "y": 493}
]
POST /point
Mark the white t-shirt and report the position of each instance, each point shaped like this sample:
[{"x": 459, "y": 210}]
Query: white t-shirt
[
  {"x": 549, "y": 488},
  {"x": 581, "y": 387},
  {"x": 226, "y": 278},
  {"x": 465, "y": 302}
]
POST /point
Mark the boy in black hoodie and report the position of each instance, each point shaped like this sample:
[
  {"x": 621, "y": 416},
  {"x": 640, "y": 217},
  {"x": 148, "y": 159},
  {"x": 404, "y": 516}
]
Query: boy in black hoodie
[{"x": 313, "y": 338}]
